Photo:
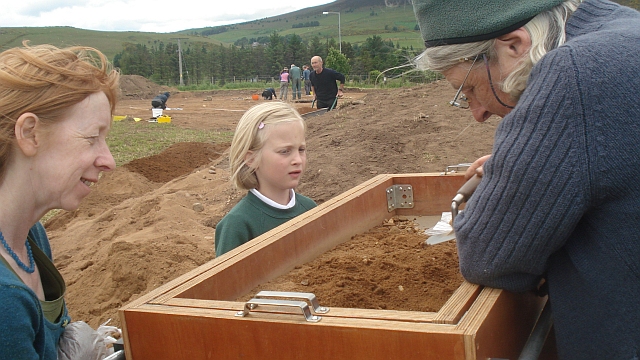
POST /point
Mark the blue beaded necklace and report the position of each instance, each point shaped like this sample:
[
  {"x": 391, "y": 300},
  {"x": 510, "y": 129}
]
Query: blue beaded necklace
[{"x": 32, "y": 264}]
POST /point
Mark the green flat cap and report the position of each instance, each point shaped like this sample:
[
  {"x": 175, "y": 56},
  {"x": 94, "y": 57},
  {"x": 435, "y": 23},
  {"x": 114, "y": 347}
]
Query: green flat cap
[{"x": 447, "y": 22}]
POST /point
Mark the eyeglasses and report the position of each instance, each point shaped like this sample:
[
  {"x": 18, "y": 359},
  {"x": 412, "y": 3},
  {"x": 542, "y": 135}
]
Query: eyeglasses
[
  {"x": 486, "y": 64},
  {"x": 455, "y": 102}
]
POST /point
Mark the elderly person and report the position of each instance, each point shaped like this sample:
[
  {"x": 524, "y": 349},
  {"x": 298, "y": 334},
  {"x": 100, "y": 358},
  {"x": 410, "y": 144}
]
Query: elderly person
[
  {"x": 56, "y": 107},
  {"x": 560, "y": 196},
  {"x": 323, "y": 84}
]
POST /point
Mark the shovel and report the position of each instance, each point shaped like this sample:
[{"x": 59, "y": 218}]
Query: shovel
[{"x": 464, "y": 193}]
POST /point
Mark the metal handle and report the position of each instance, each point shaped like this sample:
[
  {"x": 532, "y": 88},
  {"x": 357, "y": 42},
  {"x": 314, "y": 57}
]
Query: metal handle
[
  {"x": 456, "y": 168},
  {"x": 464, "y": 194},
  {"x": 118, "y": 355},
  {"x": 534, "y": 345},
  {"x": 254, "y": 303},
  {"x": 310, "y": 297}
]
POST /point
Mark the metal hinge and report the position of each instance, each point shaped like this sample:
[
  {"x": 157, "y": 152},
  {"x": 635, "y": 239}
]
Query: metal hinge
[{"x": 399, "y": 197}]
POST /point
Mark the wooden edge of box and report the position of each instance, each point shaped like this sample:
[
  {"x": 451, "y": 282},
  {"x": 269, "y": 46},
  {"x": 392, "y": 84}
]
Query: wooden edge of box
[
  {"x": 335, "y": 312},
  {"x": 184, "y": 331},
  {"x": 494, "y": 310},
  {"x": 458, "y": 304}
]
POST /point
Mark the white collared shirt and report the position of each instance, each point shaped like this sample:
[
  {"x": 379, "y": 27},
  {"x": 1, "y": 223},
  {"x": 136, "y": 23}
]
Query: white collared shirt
[{"x": 270, "y": 202}]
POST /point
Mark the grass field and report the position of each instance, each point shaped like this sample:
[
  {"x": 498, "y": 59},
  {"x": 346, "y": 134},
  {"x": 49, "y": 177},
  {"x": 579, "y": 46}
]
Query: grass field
[
  {"x": 128, "y": 141},
  {"x": 355, "y": 26}
]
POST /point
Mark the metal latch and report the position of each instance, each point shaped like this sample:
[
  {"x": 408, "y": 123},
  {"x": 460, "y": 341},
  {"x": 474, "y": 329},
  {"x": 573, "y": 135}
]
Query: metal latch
[
  {"x": 399, "y": 197},
  {"x": 309, "y": 297}
]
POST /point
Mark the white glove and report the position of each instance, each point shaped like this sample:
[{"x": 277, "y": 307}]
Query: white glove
[{"x": 80, "y": 341}]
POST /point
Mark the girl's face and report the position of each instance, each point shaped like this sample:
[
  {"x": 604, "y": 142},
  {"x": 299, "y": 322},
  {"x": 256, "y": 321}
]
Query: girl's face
[
  {"x": 283, "y": 159},
  {"x": 73, "y": 154}
]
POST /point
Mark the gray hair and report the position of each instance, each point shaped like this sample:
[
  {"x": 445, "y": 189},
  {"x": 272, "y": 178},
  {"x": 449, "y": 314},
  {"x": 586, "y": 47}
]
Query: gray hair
[{"x": 547, "y": 31}]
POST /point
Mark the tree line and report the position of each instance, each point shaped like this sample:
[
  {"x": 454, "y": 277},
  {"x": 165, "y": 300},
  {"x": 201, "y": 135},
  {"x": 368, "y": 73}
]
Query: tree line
[{"x": 204, "y": 63}]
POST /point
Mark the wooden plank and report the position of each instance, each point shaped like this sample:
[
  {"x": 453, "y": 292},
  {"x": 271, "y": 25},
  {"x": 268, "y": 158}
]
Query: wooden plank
[
  {"x": 212, "y": 334},
  {"x": 350, "y": 313},
  {"x": 499, "y": 322},
  {"x": 432, "y": 192},
  {"x": 458, "y": 304}
]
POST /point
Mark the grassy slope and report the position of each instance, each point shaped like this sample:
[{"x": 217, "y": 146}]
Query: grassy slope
[
  {"x": 356, "y": 27},
  {"x": 356, "y": 24},
  {"x": 109, "y": 42}
]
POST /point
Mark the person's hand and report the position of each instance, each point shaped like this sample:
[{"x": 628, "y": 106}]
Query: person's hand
[
  {"x": 80, "y": 341},
  {"x": 340, "y": 93},
  {"x": 476, "y": 168}
]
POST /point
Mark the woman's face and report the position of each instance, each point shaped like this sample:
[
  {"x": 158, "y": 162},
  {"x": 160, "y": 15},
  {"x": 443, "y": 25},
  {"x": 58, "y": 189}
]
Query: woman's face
[
  {"x": 482, "y": 101},
  {"x": 73, "y": 153}
]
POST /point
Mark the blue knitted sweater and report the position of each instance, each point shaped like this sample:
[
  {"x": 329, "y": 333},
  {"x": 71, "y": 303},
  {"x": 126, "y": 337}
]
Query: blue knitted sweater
[
  {"x": 25, "y": 333},
  {"x": 560, "y": 197}
]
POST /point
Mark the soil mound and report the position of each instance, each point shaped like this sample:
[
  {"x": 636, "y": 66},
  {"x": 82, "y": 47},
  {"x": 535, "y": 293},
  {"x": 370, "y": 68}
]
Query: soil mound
[
  {"x": 179, "y": 159},
  {"x": 138, "y": 87},
  {"x": 118, "y": 244}
]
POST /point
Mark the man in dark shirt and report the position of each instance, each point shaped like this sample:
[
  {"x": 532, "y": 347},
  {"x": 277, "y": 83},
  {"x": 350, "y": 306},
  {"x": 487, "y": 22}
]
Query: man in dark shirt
[{"x": 323, "y": 84}]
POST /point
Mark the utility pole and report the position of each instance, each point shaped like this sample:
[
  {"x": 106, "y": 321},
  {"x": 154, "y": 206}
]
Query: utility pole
[
  {"x": 339, "y": 29},
  {"x": 180, "y": 60}
]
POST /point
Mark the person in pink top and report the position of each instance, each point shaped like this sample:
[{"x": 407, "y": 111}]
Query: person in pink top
[{"x": 284, "y": 84}]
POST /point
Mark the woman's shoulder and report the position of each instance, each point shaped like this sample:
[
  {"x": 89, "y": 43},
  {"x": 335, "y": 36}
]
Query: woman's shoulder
[{"x": 13, "y": 290}]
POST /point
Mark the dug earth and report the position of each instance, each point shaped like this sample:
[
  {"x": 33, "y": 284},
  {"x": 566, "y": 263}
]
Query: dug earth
[{"x": 153, "y": 219}]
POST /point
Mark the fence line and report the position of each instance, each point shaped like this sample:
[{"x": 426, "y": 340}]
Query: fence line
[{"x": 353, "y": 79}]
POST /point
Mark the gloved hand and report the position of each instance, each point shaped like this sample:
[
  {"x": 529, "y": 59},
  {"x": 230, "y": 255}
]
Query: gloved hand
[{"x": 80, "y": 341}]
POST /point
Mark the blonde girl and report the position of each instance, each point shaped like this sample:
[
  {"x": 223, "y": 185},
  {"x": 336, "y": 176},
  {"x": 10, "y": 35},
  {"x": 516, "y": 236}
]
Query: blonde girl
[{"x": 267, "y": 157}]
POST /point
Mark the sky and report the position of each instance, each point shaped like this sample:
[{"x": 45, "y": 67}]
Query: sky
[{"x": 143, "y": 15}]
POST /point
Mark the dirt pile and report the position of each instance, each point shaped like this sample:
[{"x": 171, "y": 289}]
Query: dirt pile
[
  {"x": 137, "y": 229},
  {"x": 388, "y": 267},
  {"x": 138, "y": 87}
]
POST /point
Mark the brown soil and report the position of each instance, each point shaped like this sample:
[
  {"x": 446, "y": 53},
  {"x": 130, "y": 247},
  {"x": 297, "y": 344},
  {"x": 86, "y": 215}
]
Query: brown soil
[
  {"x": 153, "y": 219},
  {"x": 388, "y": 267}
]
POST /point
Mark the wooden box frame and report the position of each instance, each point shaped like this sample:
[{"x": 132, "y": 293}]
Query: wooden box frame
[{"x": 193, "y": 316}]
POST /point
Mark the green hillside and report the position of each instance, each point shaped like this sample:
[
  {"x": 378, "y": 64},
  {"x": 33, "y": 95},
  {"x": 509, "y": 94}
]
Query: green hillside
[
  {"x": 109, "y": 42},
  {"x": 397, "y": 24},
  {"x": 359, "y": 19}
]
